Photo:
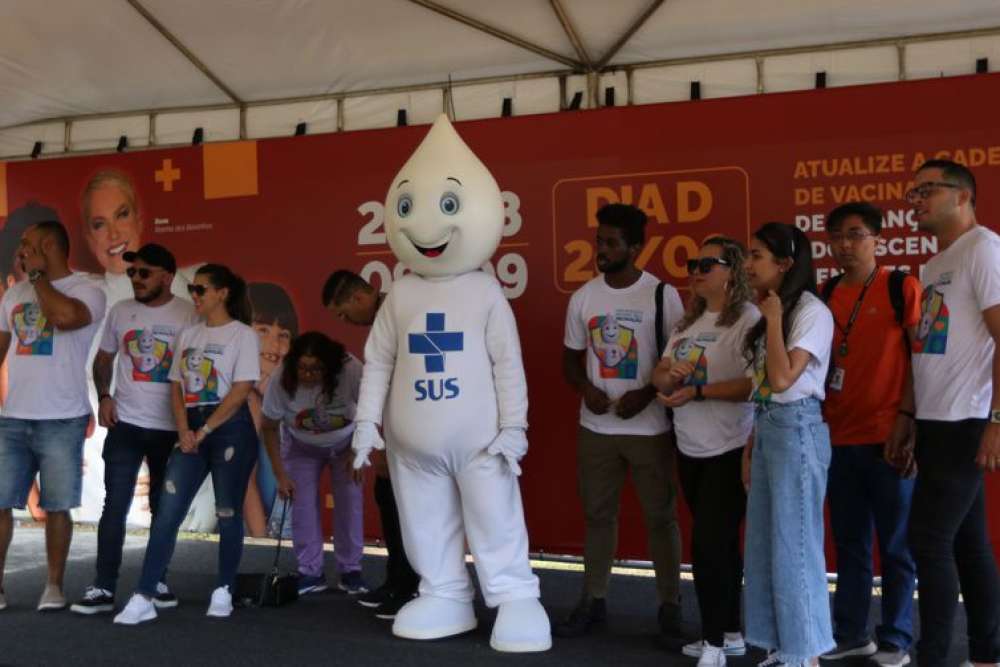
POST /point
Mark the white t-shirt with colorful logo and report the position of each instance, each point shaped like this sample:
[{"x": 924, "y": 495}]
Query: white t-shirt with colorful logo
[
  {"x": 143, "y": 338},
  {"x": 616, "y": 328},
  {"x": 47, "y": 371},
  {"x": 710, "y": 428},
  {"x": 953, "y": 350},
  {"x": 812, "y": 331},
  {"x": 310, "y": 416},
  {"x": 210, "y": 359}
]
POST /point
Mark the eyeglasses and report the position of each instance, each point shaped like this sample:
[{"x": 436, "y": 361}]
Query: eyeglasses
[
  {"x": 315, "y": 369},
  {"x": 851, "y": 236},
  {"x": 704, "y": 264},
  {"x": 197, "y": 290},
  {"x": 924, "y": 190},
  {"x": 132, "y": 272}
]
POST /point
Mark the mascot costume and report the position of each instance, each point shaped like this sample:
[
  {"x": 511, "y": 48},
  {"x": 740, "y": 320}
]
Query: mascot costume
[{"x": 444, "y": 360}]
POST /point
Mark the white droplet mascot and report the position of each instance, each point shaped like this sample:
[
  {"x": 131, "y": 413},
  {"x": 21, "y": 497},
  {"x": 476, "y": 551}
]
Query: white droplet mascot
[{"x": 444, "y": 359}]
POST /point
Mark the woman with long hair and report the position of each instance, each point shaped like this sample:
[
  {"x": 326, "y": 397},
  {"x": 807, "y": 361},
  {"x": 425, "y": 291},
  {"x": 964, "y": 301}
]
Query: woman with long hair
[
  {"x": 702, "y": 376},
  {"x": 315, "y": 397},
  {"x": 214, "y": 371},
  {"x": 787, "y": 603}
]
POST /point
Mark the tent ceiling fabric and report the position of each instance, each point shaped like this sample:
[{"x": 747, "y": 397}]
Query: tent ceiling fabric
[{"x": 62, "y": 58}]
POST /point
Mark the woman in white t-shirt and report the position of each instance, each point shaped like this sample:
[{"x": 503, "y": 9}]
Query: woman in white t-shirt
[
  {"x": 702, "y": 376},
  {"x": 787, "y": 603},
  {"x": 314, "y": 395},
  {"x": 214, "y": 369}
]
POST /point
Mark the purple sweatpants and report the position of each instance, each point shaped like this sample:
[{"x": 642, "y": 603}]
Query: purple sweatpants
[{"x": 304, "y": 464}]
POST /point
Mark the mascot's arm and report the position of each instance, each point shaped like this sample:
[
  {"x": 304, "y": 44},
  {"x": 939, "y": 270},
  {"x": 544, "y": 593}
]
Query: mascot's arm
[
  {"x": 504, "y": 348},
  {"x": 380, "y": 359}
]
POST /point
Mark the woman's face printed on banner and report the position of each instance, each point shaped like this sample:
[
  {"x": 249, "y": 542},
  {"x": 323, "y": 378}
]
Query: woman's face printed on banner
[
  {"x": 444, "y": 212},
  {"x": 112, "y": 227}
]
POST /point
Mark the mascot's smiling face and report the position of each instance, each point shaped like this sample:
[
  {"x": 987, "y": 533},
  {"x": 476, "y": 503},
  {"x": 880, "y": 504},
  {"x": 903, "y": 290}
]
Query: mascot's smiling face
[{"x": 443, "y": 213}]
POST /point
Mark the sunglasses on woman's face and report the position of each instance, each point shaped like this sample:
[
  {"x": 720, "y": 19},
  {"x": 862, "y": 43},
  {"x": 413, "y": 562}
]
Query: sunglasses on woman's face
[
  {"x": 197, "y": 290},
  {"x": 143, "y": 273},
  {"x": 704, "y": 264}
]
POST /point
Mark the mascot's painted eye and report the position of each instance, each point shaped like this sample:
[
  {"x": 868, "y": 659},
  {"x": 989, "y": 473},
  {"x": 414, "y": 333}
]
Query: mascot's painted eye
[
  {"x": 404, "y": 206},
  {"x": 449, "y": 203}
]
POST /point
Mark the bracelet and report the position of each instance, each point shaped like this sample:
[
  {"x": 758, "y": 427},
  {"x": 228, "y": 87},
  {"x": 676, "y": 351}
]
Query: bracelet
[
  {"x": 206, "y": 429},
  {"x": 103, "y": 396},
  {"x": 908, "y": 414}
]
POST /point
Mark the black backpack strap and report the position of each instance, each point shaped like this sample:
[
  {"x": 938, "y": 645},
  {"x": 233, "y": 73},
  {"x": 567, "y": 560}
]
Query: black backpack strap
[
  {"x": 896, "y": 296},
  {"x": 660, "y": 337},
  {"x": 827, "y": 291}
]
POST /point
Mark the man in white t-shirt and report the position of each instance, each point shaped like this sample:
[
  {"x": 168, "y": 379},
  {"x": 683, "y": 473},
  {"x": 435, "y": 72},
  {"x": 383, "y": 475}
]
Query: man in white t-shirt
[
  {"x": 46, "y": 326},
  {"x": 611, "y": 349},
  {"x": 140, "y": 332},
  {"x": 956, "y": 379}
]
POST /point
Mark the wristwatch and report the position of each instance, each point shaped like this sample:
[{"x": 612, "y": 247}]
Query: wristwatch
[
  {"x": 698, "y": 395},
  {"x": 995, "y": 416},
  {"x": 34, "y": 275}
]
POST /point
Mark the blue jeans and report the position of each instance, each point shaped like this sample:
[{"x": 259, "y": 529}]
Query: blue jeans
[
  {"x": 52, "y": 448},
  {"x": 229, "y": 454},
  {"x": 124, "y": 449},
  {"x": 787, "y": 607},
  {"x": 867, "y": 492}
]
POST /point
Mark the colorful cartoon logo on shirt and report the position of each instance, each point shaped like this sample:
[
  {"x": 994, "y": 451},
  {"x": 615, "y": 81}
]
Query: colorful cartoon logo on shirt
[
  {"x": 932, "y": 332},
  {"x": 34, "y": 333},
  {"x": 761, "y": 387},
  {"x": 615, "y": 346},
  {"x": 201, "y": 384},
  {"x": 151, "y": 357},
  {"x": 322, "y": 418},
  {"x": 685, "y": 349}
]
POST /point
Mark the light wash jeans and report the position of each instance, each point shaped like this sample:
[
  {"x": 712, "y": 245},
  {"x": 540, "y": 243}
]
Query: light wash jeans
[{"x": 787, "y": 606}]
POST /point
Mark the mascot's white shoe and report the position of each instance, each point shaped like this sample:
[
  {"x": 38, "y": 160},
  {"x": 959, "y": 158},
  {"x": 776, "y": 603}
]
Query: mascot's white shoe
[
  {"x": 429, "y": 617},
  {"x": 522, "y": 626}
]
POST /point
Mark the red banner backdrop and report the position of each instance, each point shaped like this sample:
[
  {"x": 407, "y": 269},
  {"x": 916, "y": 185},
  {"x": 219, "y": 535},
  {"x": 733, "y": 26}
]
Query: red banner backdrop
[{"x": 289, "y": 211}]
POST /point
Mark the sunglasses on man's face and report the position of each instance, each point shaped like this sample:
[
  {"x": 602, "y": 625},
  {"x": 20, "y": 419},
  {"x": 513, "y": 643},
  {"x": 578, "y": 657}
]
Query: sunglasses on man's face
[
  {"x": 143, "y": 273},
  {"x": 197, "y": 290},
  {"x": 704, "y": 264}
]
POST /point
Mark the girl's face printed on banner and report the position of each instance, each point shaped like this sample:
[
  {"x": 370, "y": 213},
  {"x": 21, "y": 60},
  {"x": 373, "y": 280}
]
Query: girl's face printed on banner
[
  {"x": 274, "y": 343},
  {"x": 112, "y": 228},
  {"x": 444, "y": 212}
]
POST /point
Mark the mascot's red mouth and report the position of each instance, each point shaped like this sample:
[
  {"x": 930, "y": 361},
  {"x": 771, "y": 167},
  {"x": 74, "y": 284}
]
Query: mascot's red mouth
[{"x": 431, "y": 252}]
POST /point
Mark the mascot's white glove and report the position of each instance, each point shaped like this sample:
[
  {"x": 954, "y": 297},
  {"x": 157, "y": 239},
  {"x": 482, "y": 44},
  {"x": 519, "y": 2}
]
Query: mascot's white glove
[
  {"x": 366, "y": 438},
  {"x": 512, "y": 445}
]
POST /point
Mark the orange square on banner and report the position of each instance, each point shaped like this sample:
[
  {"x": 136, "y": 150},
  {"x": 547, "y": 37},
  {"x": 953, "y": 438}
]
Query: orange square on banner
[
  {"x": 3, "y": 189},
  {"x": 230, "y": 169}
]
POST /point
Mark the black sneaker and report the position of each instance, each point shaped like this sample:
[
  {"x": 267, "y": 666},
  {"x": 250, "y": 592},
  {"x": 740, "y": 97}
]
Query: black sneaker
[
  {"x": 377, "y": 597},
  {"x": 671, "y": 637},
  {"x": 95, "y": 601},
  {"x": 164, "y": 598},
  {"x": 589, "y": 614},
  {"x": 388, "y": 609}
]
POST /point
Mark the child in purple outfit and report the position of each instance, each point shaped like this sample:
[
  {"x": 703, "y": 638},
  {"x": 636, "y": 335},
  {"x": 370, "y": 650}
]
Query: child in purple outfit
[{"x": 314, "y": 399}]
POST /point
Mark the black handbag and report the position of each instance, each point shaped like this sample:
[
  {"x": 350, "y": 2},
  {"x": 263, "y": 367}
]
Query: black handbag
[{"x": 272, "y": 589}]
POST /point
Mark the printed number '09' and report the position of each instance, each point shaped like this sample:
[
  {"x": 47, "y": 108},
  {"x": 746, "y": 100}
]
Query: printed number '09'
[{"x": 373, "y": 231}]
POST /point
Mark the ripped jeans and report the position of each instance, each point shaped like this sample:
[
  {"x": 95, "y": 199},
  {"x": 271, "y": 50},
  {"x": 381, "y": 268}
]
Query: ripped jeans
[{"x": 229, "y": 454}]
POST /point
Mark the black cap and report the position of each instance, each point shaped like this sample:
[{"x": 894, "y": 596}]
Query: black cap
[{"x": 155, "y": 255}]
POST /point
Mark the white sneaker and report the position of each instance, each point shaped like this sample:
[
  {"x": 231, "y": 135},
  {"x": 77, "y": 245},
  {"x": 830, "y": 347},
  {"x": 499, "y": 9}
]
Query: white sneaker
[
  {"x": 221, "y": 605},
  {"x": 52, "y": 599},
  {"x": 733, "y": 645},
  {"x": 711, "y": 656},
  {"x": 138, "y": 610}
]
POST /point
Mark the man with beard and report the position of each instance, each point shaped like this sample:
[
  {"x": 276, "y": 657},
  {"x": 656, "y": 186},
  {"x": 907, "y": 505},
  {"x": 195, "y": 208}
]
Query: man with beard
[
  {"x": 140, "y": 332},
  {"x": 611, "y": 349}
]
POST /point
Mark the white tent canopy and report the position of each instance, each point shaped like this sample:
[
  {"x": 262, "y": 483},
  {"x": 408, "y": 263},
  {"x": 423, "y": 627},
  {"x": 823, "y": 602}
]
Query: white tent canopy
[{"x": 77, "y": 75}]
